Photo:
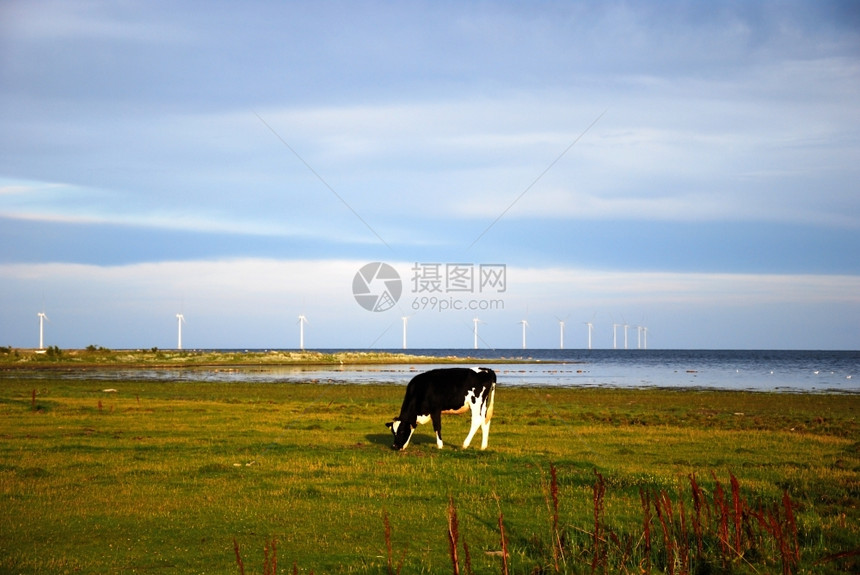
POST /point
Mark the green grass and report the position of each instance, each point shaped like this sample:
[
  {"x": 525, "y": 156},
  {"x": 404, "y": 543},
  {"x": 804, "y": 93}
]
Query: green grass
[{"x": 163, "y": 476}]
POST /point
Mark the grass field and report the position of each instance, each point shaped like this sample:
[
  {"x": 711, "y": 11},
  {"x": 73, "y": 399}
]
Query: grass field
[{"x": 183, "y": 477}]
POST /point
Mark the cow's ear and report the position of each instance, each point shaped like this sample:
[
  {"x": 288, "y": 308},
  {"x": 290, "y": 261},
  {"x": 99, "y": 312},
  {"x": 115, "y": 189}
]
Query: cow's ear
[{"x": 389, "y": 424}]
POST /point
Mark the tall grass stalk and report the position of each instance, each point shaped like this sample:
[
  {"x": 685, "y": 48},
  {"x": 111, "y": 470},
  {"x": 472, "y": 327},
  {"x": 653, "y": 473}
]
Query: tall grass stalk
[
  {"x": 270, "y": 558},
  {"x": 645, "y": 499},
  {"x": 386, "y": 523},
  {"x": 788, "y": 506},
  {"x": 503, "y": 538},
  {"x": 663, "y": 507},
  {"x": 699, "y": 503},
  {"x": 598, "y": 558},
  {"x": 721, "y": 507},
  {"x": 555, "y": 532},
  {"x": 683, "y": 539},
  {"x": 453, "y": 535},
  {"x": 239, "y": 561},
  {"x": 738, "y": 515},
  {"x": 504, "y": 541},
  {"x": 467, "y": 557}
]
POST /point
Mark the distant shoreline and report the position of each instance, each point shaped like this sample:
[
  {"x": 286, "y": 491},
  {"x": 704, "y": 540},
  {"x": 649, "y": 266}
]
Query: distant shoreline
[{"x": 54, "y": 358}]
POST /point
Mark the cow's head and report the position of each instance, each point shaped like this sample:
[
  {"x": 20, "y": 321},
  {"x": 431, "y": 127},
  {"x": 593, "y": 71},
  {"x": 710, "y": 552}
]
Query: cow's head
[{"x": 402, "y": 433}]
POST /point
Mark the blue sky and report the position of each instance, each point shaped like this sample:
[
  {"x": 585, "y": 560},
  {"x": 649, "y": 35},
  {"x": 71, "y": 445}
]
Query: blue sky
[{"x": 691, "y": 167}]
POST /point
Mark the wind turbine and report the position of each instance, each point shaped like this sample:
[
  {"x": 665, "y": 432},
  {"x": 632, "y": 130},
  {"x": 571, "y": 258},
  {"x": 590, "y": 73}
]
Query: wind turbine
[
  {"x": 614, "y": 336},
  {"x": 476, "y": 321},
  {"x": 625, "y": 335},
  {"x": 590, "y": 327},
  {"x": 42, "y": 318},
  {"x": 645, "y": 337},
  {"x": 405, "y": 319},
  {"x": 525, "y": 325},
  {"x": 561, "y": 322},
  {"x": 638, "y": 337},
  {"x": 180, "y": 319},
  {"x": 302, "y": 321}
]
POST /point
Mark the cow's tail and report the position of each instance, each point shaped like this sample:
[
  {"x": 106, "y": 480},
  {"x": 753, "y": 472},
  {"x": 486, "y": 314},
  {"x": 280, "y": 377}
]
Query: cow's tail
[{"x": 490, "y": 401}]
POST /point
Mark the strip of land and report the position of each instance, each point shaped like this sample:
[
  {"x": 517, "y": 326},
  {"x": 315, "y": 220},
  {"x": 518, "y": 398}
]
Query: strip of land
[{"x": 13, "y": 358}]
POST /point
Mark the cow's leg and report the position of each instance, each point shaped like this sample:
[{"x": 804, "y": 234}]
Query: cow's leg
[
  {"x": 437, "y": 427},
  {"x": 411, "y": 431},
  {"x": 477, "y": 420},
  {"x": 485, "y": 434},
  {"x": 488, "y": 416}
]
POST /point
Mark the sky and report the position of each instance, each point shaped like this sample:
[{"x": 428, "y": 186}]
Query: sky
[{"x": 692, "y": 168}]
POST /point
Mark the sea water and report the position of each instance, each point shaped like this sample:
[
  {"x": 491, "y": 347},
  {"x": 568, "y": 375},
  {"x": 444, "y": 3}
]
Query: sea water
[{"x": 787, "y": 371}]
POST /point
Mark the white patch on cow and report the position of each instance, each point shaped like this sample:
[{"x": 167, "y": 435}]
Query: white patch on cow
[
  {"x": 477, "y": 369},
  {"x": 411, "y": 431},
  {"x": 395, "y": 425}
]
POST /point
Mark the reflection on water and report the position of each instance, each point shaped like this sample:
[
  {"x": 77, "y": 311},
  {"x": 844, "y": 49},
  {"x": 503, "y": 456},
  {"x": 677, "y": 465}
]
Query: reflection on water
[{"x": 749, "y": 370}]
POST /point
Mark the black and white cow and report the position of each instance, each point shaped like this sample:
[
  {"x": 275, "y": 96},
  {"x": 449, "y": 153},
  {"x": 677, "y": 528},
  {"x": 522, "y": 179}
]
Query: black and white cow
[{"x": 452, "y": 390}]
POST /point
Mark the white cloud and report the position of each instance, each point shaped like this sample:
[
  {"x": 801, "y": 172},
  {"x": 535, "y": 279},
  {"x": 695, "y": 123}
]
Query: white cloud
[
  {"x": 705, "y": 289},
  {"x": 670, "y": 152},
  {"x": 66, "y": 203},
  {"x": 75, "y": 20},
  {"x": 421, "y": 118}
]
